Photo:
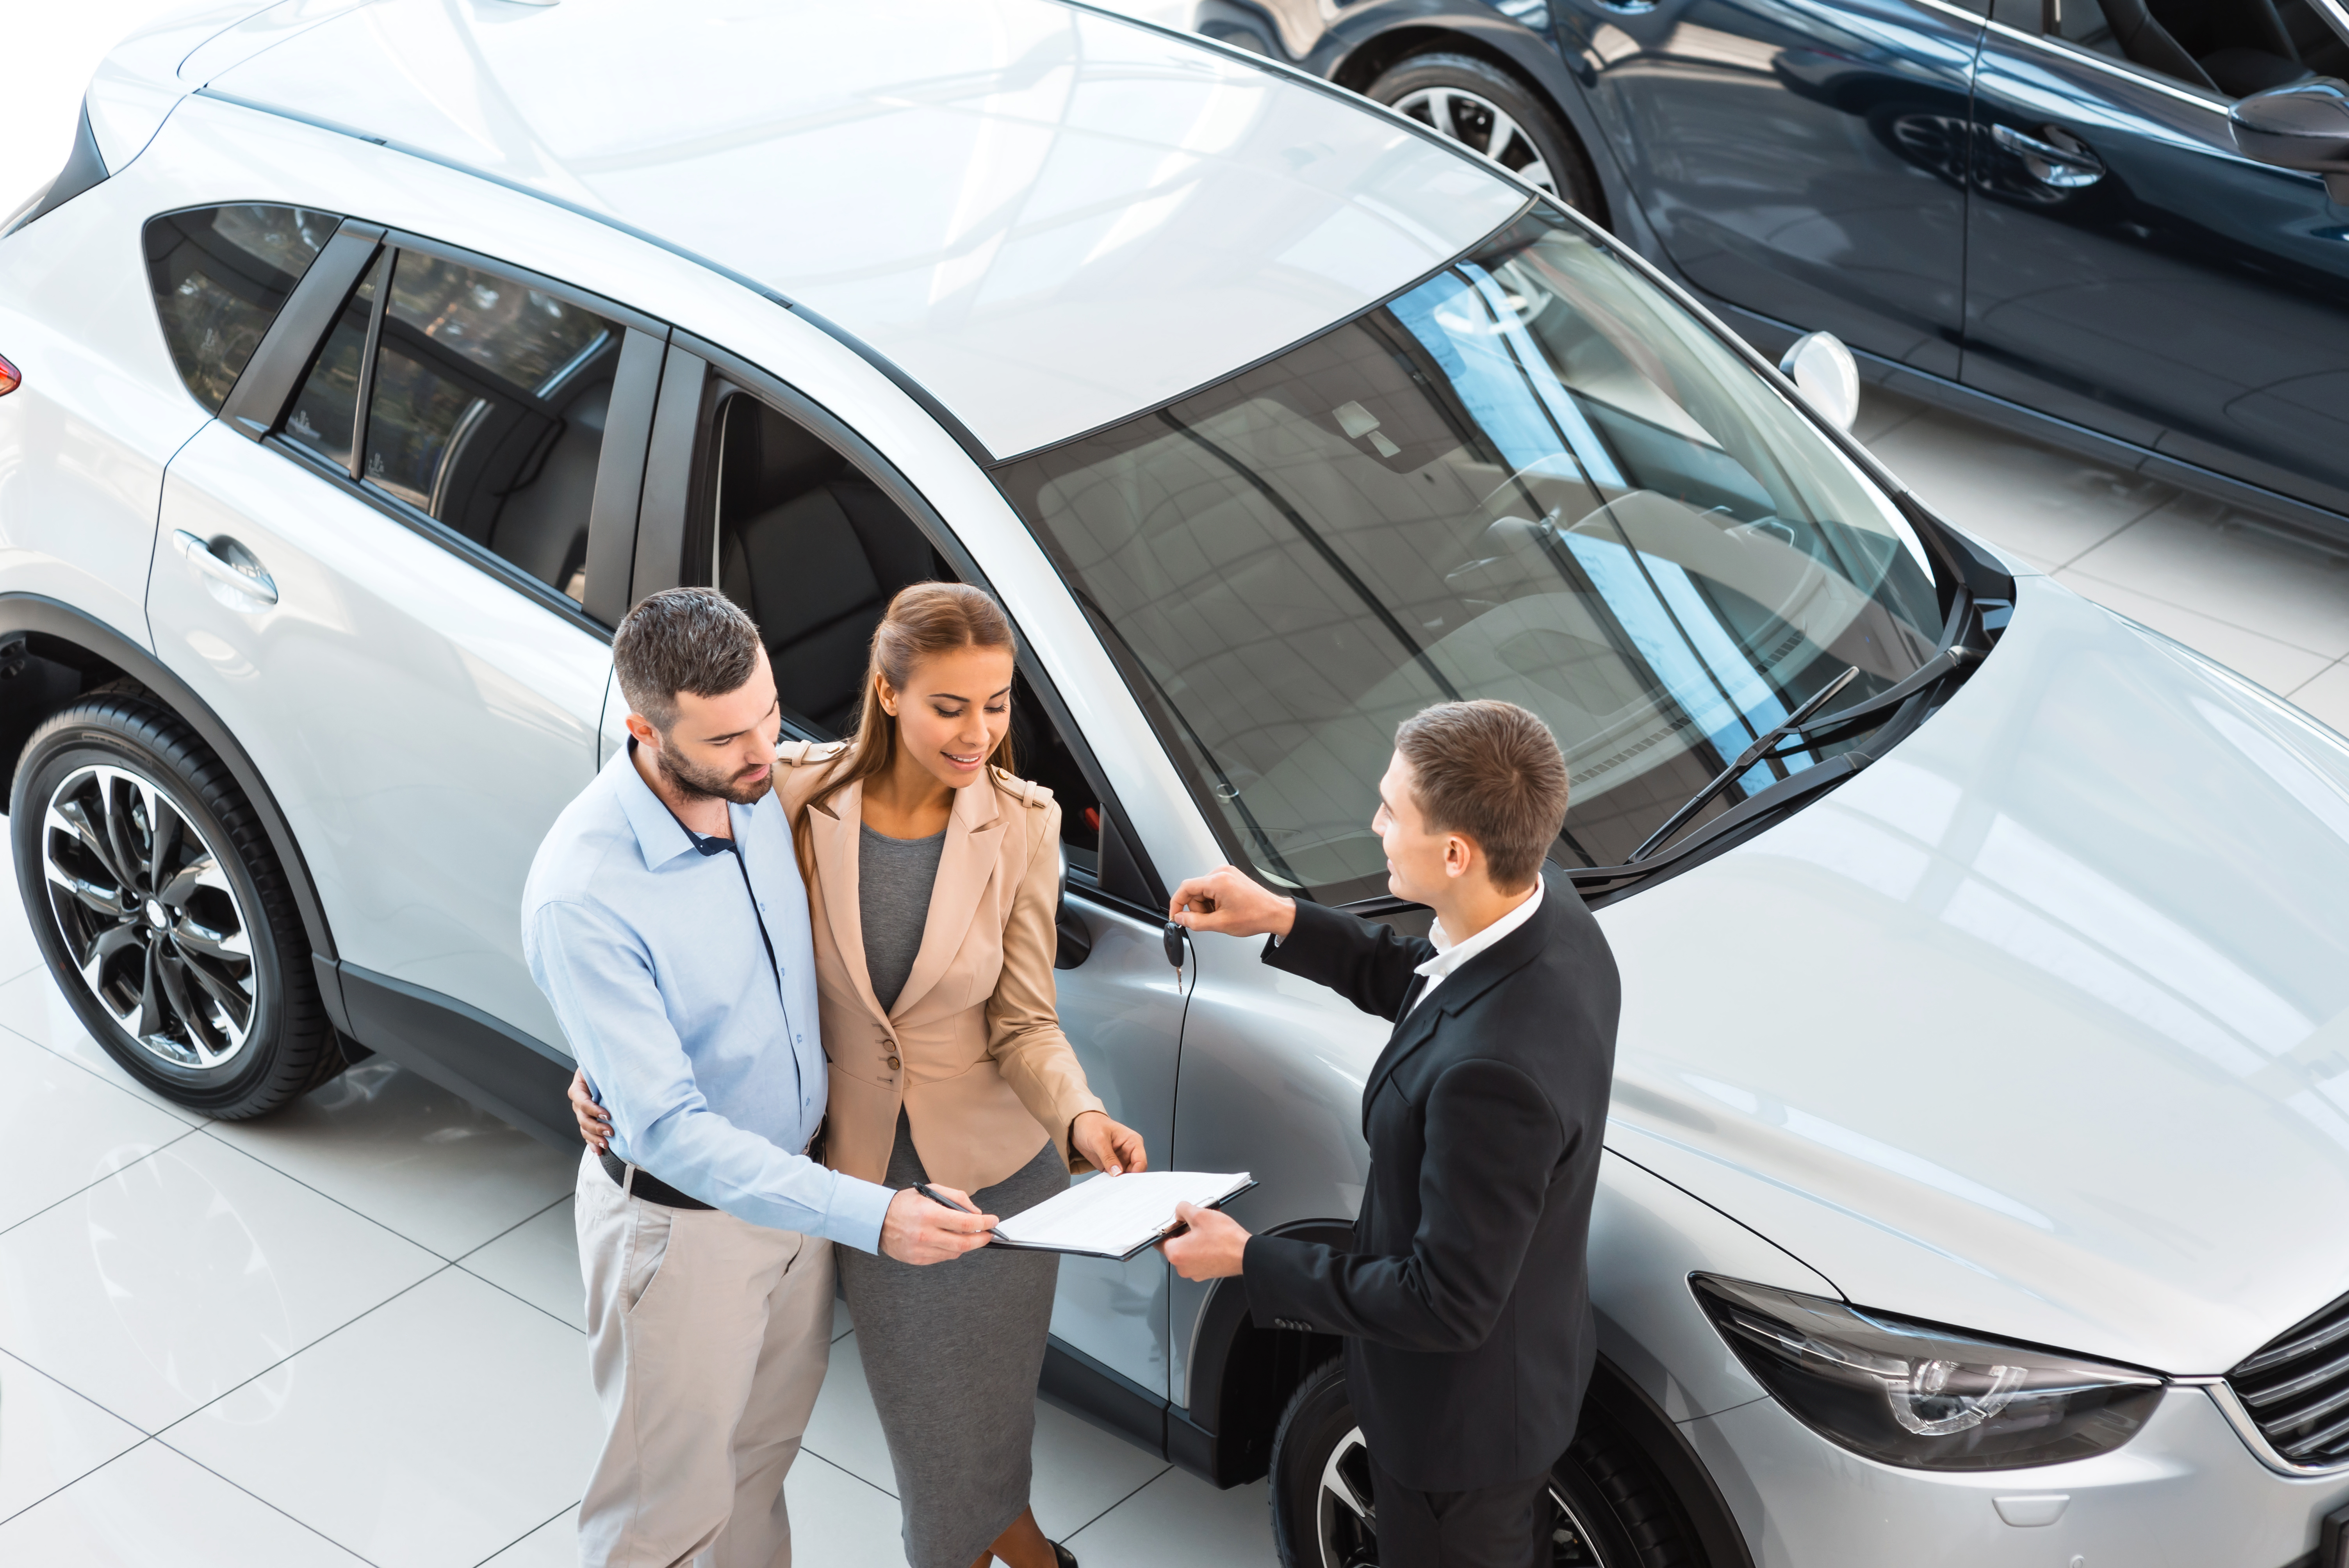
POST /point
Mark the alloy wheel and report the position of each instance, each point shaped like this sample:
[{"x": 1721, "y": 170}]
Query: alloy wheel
[
  {"x": 1346, "y": 1515},
  {"x": 1479, "y": 124},
  {"x": 149, "y": 918}
]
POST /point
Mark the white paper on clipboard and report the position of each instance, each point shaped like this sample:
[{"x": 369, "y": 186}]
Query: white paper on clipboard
[{"x": 1116, "y": 1216}]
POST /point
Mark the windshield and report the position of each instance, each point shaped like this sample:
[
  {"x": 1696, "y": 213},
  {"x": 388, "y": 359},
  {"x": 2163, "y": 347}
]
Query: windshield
[{"x": 1532, "y": 477}]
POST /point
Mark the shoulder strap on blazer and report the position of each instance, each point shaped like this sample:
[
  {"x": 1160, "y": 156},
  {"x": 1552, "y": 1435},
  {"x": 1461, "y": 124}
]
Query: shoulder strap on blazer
[
  {"x": 1027, "y": 791},
  {"x": 809, "y": 753}
]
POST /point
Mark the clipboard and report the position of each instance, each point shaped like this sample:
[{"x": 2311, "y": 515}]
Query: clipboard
[{"x": 1075, "y": 1246}]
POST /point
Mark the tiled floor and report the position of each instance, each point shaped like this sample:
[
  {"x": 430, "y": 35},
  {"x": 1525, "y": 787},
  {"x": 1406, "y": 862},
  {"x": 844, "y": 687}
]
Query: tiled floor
[
  {"x": 352, "y": 1333},
  {"x": 2270, "y": 606}
]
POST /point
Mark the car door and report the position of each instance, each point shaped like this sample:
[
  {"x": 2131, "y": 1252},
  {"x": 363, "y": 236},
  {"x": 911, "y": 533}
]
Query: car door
[
  {"x": 1803, "y": 160},
  {"x": 2130, "y": 271},
  {"x": 751, "y": 489},
  {"x": 387, "y": 568}
]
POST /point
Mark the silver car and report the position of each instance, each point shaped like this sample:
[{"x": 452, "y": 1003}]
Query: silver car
[{"x": 1977, "y": 1175}]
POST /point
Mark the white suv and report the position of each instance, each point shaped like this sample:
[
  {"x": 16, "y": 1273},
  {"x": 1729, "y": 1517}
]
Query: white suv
[{"x": 1978, "y": 1176}]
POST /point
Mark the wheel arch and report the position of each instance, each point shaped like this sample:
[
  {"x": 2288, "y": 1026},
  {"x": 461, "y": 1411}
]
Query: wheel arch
[
  {"x": 1527, "y": 58},
  {"x": 1241, "y": 1375},
  {"x": 51, "y": 653}
]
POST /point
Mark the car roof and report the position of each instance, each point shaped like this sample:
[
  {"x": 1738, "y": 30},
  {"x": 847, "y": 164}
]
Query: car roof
[{"x": 1048, "y": 217}]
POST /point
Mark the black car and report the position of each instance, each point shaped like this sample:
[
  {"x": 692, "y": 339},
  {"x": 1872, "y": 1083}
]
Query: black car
[{"x": 2118, "y": 225}]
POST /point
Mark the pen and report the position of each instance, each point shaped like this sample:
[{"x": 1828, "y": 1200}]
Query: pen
[{"x": 925, "y": 1189}]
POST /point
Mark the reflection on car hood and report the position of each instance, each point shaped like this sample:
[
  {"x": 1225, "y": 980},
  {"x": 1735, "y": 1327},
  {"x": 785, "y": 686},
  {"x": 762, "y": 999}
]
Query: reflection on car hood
[{"x": 2039, "y": 1026}]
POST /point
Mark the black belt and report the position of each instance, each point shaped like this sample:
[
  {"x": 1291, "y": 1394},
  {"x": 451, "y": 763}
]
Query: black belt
[{"x": 648, "y": 1187}]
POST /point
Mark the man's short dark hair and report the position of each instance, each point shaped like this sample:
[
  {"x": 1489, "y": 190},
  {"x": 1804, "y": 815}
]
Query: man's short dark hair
[
  {"x": 682, "y": 640},
  {"x": 1491, "y": 772}
]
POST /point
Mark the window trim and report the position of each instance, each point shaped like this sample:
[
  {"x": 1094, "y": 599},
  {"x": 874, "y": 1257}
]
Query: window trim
[
  {"x": 2125, "y": 70},
  {"x": 264, "y": 389},
  {"x": 680, "y": 451}
]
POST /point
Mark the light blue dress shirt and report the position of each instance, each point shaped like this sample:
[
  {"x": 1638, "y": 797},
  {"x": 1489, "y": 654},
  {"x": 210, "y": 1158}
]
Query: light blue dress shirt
[{"x": 713, "y": 1069}]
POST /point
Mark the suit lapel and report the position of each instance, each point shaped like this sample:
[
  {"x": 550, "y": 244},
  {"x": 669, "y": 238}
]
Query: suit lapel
[
  {"x": 974, "y": 844},
  {"x": 1459, "y": 990},
  {"x": 833, "y": 826}
]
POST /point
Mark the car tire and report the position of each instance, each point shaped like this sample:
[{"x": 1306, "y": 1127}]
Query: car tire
[
  {"x": 162, "y": 911},
  {"x": 1475, "y": 103},
  {"x": 1609, "y": 1509}
]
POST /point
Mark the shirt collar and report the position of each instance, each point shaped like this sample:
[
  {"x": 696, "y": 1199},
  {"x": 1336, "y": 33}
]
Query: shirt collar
[
  {"x": 1451, "y": 955},
  {"x": 660, "y": 834}
]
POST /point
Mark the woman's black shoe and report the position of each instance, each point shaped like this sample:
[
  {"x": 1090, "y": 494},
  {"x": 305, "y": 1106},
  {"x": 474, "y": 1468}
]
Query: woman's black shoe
[{"x": 1066, "y": 1558}]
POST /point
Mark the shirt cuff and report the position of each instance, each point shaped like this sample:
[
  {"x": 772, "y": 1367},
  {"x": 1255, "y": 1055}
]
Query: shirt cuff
[{"x": 858, "y": 1208}]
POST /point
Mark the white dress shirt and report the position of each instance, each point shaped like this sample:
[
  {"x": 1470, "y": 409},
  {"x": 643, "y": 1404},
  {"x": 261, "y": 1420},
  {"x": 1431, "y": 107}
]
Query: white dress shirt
[{"x": 1451, "y": 955}]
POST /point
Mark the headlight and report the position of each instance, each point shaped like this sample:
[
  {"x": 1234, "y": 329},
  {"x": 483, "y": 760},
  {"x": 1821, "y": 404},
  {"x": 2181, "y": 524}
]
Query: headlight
[{"x": 1919, "y": 1397}]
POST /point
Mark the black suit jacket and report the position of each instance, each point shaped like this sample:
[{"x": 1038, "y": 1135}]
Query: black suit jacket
[{"x": 1466, "y": 1295}]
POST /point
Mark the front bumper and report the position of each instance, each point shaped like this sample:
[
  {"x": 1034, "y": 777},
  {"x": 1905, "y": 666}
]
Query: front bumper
[{"x": 2183, "y": 1493}]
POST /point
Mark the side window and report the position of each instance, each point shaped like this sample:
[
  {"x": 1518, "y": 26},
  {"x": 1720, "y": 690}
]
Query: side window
[
  {"x": 814, "y": 551},
  {"x": 482, "y": 407},
  {"x": 220, "y": 276},
  {"x": 2235, "y": 48}
]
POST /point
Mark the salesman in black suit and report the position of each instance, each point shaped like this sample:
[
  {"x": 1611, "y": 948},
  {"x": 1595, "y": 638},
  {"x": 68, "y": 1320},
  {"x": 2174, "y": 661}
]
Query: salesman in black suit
[{"x": 1465, "y": 1297}]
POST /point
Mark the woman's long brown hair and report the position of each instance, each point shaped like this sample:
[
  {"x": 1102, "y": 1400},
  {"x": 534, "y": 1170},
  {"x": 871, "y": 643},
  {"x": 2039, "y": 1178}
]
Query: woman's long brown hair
[{"x": 922, "y": 621}]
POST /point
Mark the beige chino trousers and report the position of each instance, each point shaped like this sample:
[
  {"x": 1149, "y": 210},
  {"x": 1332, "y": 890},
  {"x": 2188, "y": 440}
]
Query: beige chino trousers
[{"x": 707, "y": 1339}]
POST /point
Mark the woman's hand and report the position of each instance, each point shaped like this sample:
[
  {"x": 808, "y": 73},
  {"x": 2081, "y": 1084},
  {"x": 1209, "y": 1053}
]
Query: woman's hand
[
  {"x": 594, "y": 1121},
  {"x": 1113, "y": 1146}
]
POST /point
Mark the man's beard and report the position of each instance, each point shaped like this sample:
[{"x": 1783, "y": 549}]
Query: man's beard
[{"x": 694, "y": 783}]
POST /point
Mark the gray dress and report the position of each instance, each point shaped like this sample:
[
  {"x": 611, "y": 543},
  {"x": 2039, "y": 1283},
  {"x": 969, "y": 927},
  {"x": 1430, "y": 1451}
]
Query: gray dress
[{"x": 952, "y": 1351}]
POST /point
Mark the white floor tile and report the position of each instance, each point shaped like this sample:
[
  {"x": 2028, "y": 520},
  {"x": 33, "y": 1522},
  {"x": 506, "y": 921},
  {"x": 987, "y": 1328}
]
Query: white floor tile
[
  {"x": 554, "y": 1544},
  {"x": 31, "y": 1006},
  {"x": 837, "y": 1519},
  {"x": 155, "y": 1509},
  {"x": 2327, "y": 698},
  {"x": 50, "y": 1436},
  {"x": 538, "y": 1261},
  {"x": 17, "y": 951},
  {"x": 166, "y": 1285},
  {"x": 1179, "y": 1520},
  {"x": 841, "y": 1322},
  {"x": 1082, "y": 1472},
  {"x": 2279, "y": 666},
  {"x": 843, "y": 1426},
  {"x": 2045, "y": 506},
  {"x": 61, "y": 1129},
  {"x": 438, "y": 1429},
  {"x": 403, "y": 1149},
  {"x": 2192, "y": 553}
]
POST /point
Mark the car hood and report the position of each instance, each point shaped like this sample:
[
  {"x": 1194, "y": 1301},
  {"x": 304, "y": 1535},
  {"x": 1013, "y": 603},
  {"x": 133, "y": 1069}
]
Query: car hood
[{"x": 2040, "y": 1026}]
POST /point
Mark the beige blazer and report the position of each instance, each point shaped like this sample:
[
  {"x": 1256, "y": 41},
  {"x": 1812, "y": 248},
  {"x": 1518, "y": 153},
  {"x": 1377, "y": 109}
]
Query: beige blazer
[{"x": 973, "y": 1049}]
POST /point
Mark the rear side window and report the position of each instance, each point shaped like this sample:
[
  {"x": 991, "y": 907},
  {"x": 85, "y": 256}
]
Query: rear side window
[
  {"x": 220, "y": 276},
  {"x": 482, "y": 407}
]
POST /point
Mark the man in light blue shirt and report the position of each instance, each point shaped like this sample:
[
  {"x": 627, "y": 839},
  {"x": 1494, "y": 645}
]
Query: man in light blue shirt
[{"x": 665, "y": 920}]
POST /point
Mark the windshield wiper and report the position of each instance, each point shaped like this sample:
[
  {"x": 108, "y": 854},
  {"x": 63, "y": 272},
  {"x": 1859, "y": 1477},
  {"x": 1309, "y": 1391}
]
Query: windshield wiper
[{"x": 1746, "y": 759}]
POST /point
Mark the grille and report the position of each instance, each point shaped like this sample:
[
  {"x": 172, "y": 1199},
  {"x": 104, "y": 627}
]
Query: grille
[{"x": 2297, "y": 1389}]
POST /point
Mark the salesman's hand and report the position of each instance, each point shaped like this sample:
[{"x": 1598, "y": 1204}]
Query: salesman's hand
[
  {"x": 594, "y": 1121},
  {"x": 1112, "y": 1146},
  {"x": 1230, "y": 901},
  {"x": 917, "y": 1230},
  {"x": 1211, "y": 1248}
]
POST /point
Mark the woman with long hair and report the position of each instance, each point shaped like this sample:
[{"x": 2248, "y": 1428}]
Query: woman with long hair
[{"x": 933, "y": 878}]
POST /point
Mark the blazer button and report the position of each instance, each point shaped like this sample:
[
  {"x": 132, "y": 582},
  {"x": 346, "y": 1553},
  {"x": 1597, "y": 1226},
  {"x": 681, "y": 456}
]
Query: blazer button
[{"x": 894, "y": 1062}]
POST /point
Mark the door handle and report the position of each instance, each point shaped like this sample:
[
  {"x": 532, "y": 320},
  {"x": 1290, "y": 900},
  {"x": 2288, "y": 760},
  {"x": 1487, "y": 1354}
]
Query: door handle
[
  {"x": 236, "y": 572},
  {"x": 2052, "y": 156}
]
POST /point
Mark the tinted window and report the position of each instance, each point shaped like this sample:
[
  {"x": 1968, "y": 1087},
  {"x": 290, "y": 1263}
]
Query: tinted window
[
  {"x": 1530, "y": 478},
  {"x": 814, "y": 552},
  {"x": 484, "y": 407},
  {"x": 220, "y": 276},
  {"x": 487, "y": 412}
]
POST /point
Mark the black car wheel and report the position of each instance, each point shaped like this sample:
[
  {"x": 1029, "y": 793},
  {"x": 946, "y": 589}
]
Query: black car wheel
[
  {"x": 1609, "y": 1509},
  {"x": 1491, "y": 113},
  {"x": 162, "y": 912}
]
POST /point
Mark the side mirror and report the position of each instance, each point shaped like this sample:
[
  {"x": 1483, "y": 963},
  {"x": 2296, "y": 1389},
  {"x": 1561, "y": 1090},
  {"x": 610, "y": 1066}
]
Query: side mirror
[
  {"x": 1822, "y": 371},
  {"x": 2304, "y": 126}
]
